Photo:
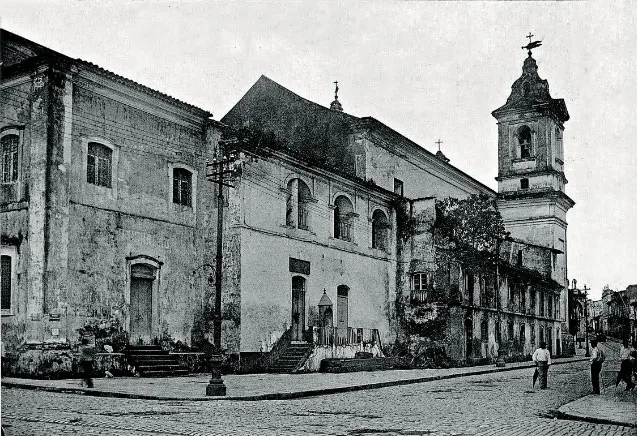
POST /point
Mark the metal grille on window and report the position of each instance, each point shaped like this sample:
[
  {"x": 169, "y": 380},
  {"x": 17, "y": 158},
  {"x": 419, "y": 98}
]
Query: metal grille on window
[
  {"x": 5, "y": 282},
  {"x": 9, "y": 158},
  {"x": 98, "y": 165},
  {"x": 182, "y": 187}
]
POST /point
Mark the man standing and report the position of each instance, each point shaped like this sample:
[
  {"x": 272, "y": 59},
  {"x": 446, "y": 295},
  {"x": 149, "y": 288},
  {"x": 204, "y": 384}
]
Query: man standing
[
  {"x": 597, "y": 358},
  {"x": 542, "y": 358},
  {"x": 626, "y": 369}
]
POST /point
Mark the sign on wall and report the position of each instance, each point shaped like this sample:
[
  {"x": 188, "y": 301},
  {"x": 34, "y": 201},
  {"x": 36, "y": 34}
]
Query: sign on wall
[{"x": 299, "y": 266}]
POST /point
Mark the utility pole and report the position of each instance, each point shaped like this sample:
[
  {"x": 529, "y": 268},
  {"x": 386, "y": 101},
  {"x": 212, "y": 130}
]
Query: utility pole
[
  {"x": 220, "y": 172},
  {"x": 500, "y": 363},
  {"x": 587, "y": 354}
]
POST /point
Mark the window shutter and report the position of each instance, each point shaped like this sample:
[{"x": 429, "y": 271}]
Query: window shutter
[
  {"x": 5, "y": 282},
  {"x": 90, "y": 169}
]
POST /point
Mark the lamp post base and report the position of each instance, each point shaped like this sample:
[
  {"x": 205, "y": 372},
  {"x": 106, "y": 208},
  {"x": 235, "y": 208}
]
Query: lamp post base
[{"x": 216, "y": 387}]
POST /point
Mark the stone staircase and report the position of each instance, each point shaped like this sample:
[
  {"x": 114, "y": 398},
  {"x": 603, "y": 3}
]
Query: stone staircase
[
  {"x": 293, "y": 356},
  {"x": 152, "y": 361}
]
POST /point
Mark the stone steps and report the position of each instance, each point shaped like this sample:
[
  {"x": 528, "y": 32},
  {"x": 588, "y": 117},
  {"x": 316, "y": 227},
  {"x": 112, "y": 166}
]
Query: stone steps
[
  {"x": 291, "y": 357},
  {"x": 152, "y": 361}
]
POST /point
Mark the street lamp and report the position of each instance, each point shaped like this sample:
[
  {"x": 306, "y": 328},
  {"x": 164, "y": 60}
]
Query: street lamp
[{"x": 587, "y": 354}]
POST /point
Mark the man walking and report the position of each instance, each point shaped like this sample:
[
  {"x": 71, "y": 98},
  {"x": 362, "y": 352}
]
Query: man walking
[
  {"x": 626, "y": 368},
  {"x": 542, "y": 359},
  {"x": 597, "y": 358},
  {"x": 86, "y": 360}
]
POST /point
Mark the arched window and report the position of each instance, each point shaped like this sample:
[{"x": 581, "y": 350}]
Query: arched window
[
  {"x": 99, "y": 165},
  {"x": 523, "y": 334},
  {"x": 526, "y": 89},
  {"x": 182, "y": 186},
  {"x": 541, "y": 334},
  {"x": 524, "y": 141},
  {"x": 380, "y": 227},
  {"x": 343, "y": 217},
  {"x": 297, "y": 205},
  {"x": 10, "y": 158}
]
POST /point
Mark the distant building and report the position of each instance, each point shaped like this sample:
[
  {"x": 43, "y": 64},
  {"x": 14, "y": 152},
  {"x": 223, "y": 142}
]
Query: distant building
[{"x": 616, "y": 313}]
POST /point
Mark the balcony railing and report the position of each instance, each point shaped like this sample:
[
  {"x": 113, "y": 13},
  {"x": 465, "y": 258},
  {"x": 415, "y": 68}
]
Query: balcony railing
[
  {"x": 346, "y": 336},
  {"x": 303, "y": 222},
  {"x": 418, "y": 296},
  {"x": 344, "y": 231}
]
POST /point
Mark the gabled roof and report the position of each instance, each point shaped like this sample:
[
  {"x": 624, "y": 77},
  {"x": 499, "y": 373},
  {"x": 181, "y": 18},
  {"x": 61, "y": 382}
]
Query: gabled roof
[
  {"x": 305, "y": 128},
  {"x": 18, "y": 52},
  {"x": 315, "y": 132}
]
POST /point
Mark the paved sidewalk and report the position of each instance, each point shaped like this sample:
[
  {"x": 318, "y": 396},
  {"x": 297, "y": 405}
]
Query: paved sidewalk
[
  {"x": 614, "y": 405},
  {"x": 254, "y": 387}
]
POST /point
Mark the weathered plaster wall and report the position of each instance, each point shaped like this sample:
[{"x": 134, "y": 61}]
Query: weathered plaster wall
[
  {"x": 73, "y": 238},
  {"x": 420, "y": 177},
  {"x": 267, "y": 244},
  {"x": 25, "y": 103},
  {"x": 136, "y": 216},
  {"x": 266, "y": 286}
]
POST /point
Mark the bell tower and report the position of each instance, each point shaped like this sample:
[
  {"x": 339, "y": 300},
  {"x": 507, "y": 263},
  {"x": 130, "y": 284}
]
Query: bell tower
[{"x": 531, "y": 179}]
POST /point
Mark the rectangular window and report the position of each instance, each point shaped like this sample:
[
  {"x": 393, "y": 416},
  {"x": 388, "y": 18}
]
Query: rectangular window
[
  {"x": 550, "y": 306},
  {"x": 419, "y": 281},
  {"x": 519, "y": 257},
  {"x": 524, "y": 183},
  {"x": 532, "y": 301},
  {"x": 99, "y": 165},
  {"x": 10, "y": 158},
  {"x": 523, "y": 300},
  {"x": 523, "y": 334},
  {"x": 510, "y": 332},
  {"x": 398, "y": 187},
  {"x": 182, "y": 187},
  {"x": 541, "y": 303},
  {"x": 5, "y": 282},
  {"x": 484, "y": 330},
  {"x": 533, "y": 333}
]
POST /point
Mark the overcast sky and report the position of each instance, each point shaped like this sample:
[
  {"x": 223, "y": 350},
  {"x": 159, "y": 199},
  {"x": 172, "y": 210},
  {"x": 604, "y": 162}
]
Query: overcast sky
[{"x": 427, "y": 69}]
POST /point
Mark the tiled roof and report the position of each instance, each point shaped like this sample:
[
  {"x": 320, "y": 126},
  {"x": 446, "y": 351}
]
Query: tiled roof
[{"x": 45, "y": 52}]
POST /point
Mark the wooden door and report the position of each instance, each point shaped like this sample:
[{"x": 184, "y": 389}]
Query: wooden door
[
  {"x": 298, "y": 308},
  {"x": 468, "y": 331},
  {"x": 342, "y": 309},
  {"x": 141, "y": 294}
]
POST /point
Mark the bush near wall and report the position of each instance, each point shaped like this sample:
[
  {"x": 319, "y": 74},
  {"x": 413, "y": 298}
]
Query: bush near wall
[{"x": 59, "y": 363}]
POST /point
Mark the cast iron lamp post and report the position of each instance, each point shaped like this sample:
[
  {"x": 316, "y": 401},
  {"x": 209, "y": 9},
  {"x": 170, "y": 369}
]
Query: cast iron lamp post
[{"x": 588, "y": 353}]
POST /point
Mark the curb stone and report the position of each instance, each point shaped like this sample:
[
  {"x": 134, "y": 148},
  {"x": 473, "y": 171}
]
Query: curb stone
[
  {"x": 576, "y": 417},
  {"x": 273, "y": 396}
]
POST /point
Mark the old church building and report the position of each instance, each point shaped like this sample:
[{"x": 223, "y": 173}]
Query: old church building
[{"x": 109, "y": 215}]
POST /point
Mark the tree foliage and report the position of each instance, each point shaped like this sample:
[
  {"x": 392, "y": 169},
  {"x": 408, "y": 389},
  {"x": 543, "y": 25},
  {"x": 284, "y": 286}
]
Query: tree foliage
[{"x": 469, "y": 230}]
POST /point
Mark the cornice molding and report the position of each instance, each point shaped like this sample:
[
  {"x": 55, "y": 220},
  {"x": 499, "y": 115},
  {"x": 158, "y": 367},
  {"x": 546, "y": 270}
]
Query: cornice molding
[{"x": 129, "y": 96}]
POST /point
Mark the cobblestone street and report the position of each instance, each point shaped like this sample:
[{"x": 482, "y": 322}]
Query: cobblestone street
[{"x": 502, "y": 403}]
